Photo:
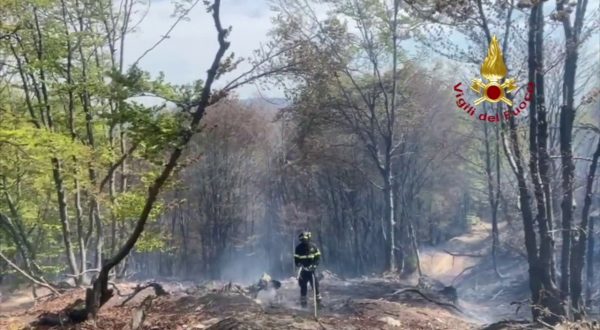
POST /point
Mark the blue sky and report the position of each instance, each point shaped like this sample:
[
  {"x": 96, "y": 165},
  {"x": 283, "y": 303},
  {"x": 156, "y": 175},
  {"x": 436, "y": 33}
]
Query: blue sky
[
  {"x": 188, "y": 52},
  {"x": 186, "y": 55}
]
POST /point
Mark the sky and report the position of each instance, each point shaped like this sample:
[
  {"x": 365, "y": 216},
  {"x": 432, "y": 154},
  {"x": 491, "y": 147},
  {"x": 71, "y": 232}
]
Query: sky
[{"x": 187, "y": 54}]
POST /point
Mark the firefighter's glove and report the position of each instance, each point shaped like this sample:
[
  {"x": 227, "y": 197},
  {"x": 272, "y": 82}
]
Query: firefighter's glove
[{"x": 312, "y": 268}]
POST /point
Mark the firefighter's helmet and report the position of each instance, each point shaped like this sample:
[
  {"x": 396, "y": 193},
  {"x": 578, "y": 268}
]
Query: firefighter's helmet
[{"x": 304, "y": 236}]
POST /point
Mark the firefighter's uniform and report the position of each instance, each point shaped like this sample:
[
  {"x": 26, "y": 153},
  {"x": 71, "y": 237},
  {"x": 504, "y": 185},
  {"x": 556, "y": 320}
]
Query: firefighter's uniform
[{"x": 307, "y": 256}]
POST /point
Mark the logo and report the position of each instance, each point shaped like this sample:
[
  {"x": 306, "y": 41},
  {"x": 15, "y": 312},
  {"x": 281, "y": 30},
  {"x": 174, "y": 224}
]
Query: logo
[
  {"x": 493, "y": 69},
  {"x": 491, "y": 89}
]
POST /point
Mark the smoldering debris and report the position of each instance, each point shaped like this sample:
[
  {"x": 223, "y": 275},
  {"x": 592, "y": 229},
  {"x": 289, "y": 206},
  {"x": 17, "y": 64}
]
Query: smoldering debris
[
  {"x": 268, "y": 296},
  {"x": 329, "y": 275},
  {"x": 438, "y": 288},
  {"x": 348, "y": 304}
]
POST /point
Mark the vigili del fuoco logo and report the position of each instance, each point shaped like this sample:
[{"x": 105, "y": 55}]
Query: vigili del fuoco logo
[{"x": 493, "y": 70}]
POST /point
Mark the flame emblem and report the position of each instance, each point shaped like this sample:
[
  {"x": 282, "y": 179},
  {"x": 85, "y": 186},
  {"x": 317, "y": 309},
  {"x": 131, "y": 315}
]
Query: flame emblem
[{"x": 494, "y": 70}]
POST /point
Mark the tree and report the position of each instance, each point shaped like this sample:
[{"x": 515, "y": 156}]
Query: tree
[
  {"x": 538, "y": 136},
  {"x": 570, "y": 283},
  {"x": 584, "y": 231},
  {"x": 369, "y": 98},
  {"x": 99, "y": 294},
  {"x": 60, "y": 53}
]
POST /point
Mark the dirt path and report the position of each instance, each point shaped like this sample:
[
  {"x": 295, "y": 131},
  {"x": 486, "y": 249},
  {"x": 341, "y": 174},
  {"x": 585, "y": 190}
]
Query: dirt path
[
  {"x": 438, "y": 264},
  {"x": 481, "y": 291}
]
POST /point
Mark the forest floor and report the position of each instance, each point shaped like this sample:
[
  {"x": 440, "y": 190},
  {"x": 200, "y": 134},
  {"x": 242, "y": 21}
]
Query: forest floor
[
  {"x": 365, "y": 303},
  {"x": 355, "y": 304}
]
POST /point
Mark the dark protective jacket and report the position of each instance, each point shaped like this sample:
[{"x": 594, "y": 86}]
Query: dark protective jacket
[{"x": 307, "y": 254}]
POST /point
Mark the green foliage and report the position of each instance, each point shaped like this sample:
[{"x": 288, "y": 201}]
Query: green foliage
[
  {"x": 151, "y": 241},
  {"x": 129, "y": 205},
  {"x": 68, "y": 113}
]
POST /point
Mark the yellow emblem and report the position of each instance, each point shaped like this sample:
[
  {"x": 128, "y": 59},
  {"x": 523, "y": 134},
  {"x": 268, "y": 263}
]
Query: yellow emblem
[{"x": 493, "y": 69}]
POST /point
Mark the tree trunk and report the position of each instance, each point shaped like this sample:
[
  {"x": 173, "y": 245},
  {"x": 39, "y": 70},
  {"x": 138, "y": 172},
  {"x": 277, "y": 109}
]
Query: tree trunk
[
  {"x": 80, "y": 236},
  {"x": 589, "y": 263},
  {"x": 549, "y": 295},
  {"x": 22, "y": 246},
  {"x": 492, "y": 197},
  {"x": 64, "y": 217},
  {"x": 543, "y": 156},
  {"x": 415, "y": 246},
  {"x": 567, "y": 117},
  {"x": 527, "y": 216},
  {"x": 579, "y": 243},
  {"x": 388, "y": 213},
  {"x": 389, "y": 140}
]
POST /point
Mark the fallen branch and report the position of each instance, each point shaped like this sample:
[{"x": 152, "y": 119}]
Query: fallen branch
[
  {"x": 471, "y": 255},
  {"x": 497, "y": 294},
  {"x": 139, "y": 314},
  {"x": 321, "y": 324},
  {"x": 73, "y": 313},
  {"x": 417, "y": 291},
  {"x": 29, "y": 277},
  {"x": 117, "y": 289},
  {"x": 230, "y": 287},
  {"x": 519, "y": 304},
  {"x": 546, "y": 325},
  {"x": 505, "y": 324},
  {"x": 42, "y": 298},
  {"x": 84, "y": 272},
  {"x": 460, "y": 274},
  {"x": 158, "y": 290}
]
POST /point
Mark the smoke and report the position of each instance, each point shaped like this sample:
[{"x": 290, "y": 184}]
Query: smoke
[
  {"x": 267, "y": 297},
  {"x": 243, "y": 268}
]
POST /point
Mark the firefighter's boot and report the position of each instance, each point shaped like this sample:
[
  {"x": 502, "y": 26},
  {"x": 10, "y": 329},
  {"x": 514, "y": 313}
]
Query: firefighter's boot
[{"x": 303, "y": 301}]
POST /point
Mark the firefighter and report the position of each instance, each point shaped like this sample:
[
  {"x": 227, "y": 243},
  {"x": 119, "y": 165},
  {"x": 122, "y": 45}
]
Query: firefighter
[{"x": 307, "y": 257}]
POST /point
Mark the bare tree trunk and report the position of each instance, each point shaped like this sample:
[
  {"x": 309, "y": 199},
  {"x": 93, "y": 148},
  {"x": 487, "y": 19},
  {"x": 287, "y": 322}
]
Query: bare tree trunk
[
  {"x": 389, "y": 175},
  {"x": 549, "y": 296},
  {"x": 14, "y": 231},
  {"x": 64, "y": 218},
  {"x": 546, "y": 246},
  {"x": 537, "y": 137},
  {"x": 579, "y": 243},
  {"x": 589, "y": 263},
  {"x": 45, "y": 108},
  {"x": 80, "y": 236},
  {"x": 415, "y": 246},
  {"x": 568, "y": 175},
  {"x": 527, "y": 215},
  {"x": 71, "y": 123},
  {"x": 543, "y": 158},
  {"x": 388, "y": 193},
  {"x": 86, "y": 102},
  {"x": 492, "y": 196},
  {"x": 567, "y": 117}
]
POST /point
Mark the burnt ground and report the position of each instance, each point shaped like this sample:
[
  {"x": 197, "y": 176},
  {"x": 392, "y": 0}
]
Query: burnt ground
[
  {"x": 357, "y": 304},
  {"x": 366, "y": 303}
]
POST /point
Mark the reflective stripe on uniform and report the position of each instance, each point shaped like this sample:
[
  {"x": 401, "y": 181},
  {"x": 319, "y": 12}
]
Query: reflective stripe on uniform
[{"x": 308, "y": 256}]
